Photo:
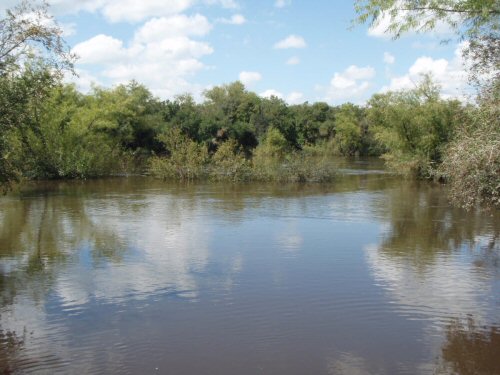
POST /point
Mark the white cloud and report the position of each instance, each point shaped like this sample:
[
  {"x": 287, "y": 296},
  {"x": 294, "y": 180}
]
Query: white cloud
[
  {"x": 451, "y": 74},
  {"x": 282, "y": 3},
  {"x": 292, "y": 41},
  {"x": 271, "y": 92},
  {"x": 354, "y": 72},
  {"x": 352, "y": 84},
  {"x": 236, "y": 19},
  {"x": 388, "y": 58},
  {"x": 295, "y": 97},
  {"x": 248, "y": 78},
  {"x": 100, "y": 49},
  {"x": 294, "y": 60},
  {"x": 159, "y": 28},
  {"x": 161, "y": 55}
]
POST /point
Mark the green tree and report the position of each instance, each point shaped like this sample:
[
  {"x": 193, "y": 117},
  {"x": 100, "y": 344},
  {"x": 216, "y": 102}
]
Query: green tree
[
  {"x": 477, "y": 21},
  {"x": 348, "y": 129},
  {"x": 230, "y": 111},
  {"x": 470, "y": 19},
  {"x": 229, "y": 164},
  {"x": 413, "y": 127},
  {"x": 274, "y": 145},
  {"x": 130, "y": 114},
  {"x": 63, "y": 143},
  {"x": 29, "y": 29},
  {"x": 471, "y": 162},
  {"x": 187, "y": 159},
  {"x": 312, "y": 123},
  {"x": 33, "y": 56},
  {"x": 474, "y": 152},
  {"x": 184, "y": 113},
  {"x": 276, "y": 114}
]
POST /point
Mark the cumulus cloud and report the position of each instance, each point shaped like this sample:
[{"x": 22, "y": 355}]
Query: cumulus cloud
[
  {"x": 354, "y": 72},
  {"x": 161, "y": 55},
  {"x": 351, "y": 84},
  {"x": 100, "y": 49},
  {"x": 451, "y": 74},
  {"x": 291, "y": 41},
  {"x": 294, "y": 60},
  {"x": 388, "y": 58},
  {"x": 236, "y": 19},
  {"x": 249, "y": 78},
  {"x": 159, "y": 28}
]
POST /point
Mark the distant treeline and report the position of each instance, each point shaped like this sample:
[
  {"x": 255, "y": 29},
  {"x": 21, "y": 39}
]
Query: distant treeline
[
  {"x": 50, "y": 130},
  {"x": 61, "y": 133}
]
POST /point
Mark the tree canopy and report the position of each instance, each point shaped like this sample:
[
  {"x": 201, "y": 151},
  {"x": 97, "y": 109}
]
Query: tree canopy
[
  {"x": 476, "y": 21},
  {"x": 28, "y": 31},
  {"x": 468, "y": 18},
  {"x": 33, "y": 56}
]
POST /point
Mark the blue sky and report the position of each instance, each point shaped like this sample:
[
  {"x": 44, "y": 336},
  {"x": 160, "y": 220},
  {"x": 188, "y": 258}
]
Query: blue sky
[{"x": 296, "y": 49}]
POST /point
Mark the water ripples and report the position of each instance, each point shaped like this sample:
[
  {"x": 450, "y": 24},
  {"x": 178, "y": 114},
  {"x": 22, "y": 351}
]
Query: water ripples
[{"x": 239, "y": 280}]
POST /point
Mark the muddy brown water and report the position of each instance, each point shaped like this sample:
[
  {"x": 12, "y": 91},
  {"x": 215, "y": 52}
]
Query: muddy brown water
[{"x": 371, "y": 274}]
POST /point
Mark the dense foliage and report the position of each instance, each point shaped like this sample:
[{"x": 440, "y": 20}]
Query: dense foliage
[
  {"x": 471, "y": 156},
  {"x": 49, "y": 130},
  {"x": 472, "y": 162},
  {"x": 32, "y": 58},
  {"x": 414, "y": 126},
  {"x": 234, "y": 134}
]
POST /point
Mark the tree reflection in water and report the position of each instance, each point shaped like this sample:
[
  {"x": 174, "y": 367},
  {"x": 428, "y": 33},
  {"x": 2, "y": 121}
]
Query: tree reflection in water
[
  {"x": 424, "y": 226},
  {"x": 441, "y": 264},
  {"x": 10, "y": 346},
  {"x": 471, "y": 349},
  {"x": 78, "y": 247}
]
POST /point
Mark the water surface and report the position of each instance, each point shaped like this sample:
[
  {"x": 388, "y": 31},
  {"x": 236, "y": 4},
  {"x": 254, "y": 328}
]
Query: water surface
[{"x": 370, "y": 274}]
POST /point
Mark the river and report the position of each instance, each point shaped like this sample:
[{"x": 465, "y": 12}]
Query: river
[{"x": 370, "y": 274}]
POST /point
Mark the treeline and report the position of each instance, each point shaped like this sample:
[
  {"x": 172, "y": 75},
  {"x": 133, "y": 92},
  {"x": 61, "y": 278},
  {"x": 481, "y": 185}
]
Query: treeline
[
  {"x": 61, "y": 133},
  {"x": 50, "y": 130},
  {"x": 58, "y": 132}
]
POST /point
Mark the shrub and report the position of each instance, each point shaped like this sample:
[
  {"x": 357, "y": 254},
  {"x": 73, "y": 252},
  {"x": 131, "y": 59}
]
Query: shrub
[
  {"x": 229, "y": 164},
  {"x": 472, "y": 161},
  {"x": 187, "y": 159}
]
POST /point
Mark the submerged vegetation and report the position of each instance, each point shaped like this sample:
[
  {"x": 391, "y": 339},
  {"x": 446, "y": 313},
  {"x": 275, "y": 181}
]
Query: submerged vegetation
[
  {"x": 472, "y": 163},
  {"x": 50, "y": 130}
]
